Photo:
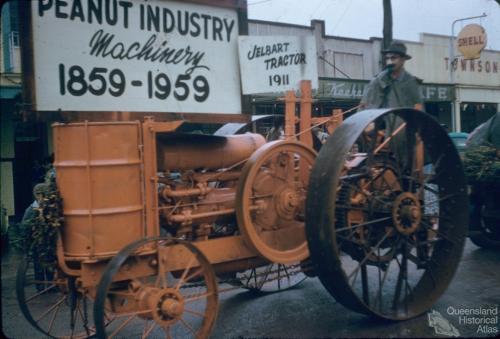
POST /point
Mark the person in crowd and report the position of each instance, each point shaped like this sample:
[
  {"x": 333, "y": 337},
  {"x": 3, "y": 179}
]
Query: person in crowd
[
  {"x": 320, "y": 134},
  {"x": 28, "y": 221},
  {"x": 276, "y": 132}
]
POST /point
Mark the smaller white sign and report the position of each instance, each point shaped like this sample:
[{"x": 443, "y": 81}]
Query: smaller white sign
[{"x": 276, "y": 63}]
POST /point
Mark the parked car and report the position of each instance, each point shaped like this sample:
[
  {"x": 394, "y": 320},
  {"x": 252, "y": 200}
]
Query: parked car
[{"x": 459, "y": 139}]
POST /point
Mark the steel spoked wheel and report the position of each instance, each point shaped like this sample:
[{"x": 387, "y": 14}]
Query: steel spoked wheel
[
  {"x": 386, "y": 227},
  {"x": 271, "y": 278},
  {"x": 270, "y": 200},
  {"x": 52, "y": 304},
  {"x": 157, "y": 288}
]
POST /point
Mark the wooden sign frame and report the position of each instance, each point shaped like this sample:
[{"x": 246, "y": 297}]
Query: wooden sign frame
[{"x": 29, "y": 106}]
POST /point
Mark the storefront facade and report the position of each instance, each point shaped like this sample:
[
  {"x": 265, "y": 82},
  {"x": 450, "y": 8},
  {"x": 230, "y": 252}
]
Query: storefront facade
[
  {"x": 460, "y": 93},
  {"x": 475, "y": 83},
  {"x": 10, "y": 92}
]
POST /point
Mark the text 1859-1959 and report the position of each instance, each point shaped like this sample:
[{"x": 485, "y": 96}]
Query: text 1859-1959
[{"x": 74, "y": 80}]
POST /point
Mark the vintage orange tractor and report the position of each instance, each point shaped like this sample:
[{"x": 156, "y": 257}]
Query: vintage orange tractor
[
  {"x": 144, "y": 226},
  {"x": 158, "y": 223}
]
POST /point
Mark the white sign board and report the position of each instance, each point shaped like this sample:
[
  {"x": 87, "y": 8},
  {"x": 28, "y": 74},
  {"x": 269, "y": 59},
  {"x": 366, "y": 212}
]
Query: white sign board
[
  {"x": 276, "y": 63},
  {"x": 135, "y": 55}
]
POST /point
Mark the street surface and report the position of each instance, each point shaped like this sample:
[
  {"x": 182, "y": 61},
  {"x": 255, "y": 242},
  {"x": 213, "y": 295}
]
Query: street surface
[{"x": 308, "y": 310}]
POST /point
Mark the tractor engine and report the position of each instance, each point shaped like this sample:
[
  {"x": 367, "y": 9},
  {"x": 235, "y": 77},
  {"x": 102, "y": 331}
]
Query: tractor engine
[{"x": 197, "y": 182}]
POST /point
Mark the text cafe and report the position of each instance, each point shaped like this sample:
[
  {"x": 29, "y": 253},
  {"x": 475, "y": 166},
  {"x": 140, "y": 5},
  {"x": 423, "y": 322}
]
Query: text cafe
[{"x": 346, "y": 94}]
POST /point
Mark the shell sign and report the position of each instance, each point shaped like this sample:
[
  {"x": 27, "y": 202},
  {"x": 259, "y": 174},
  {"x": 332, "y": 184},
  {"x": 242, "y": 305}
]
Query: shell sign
[{"x": 471, "y": 41}]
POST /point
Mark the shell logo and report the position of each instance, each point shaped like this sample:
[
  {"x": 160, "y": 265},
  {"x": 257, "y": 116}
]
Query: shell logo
[{"x": 471, "y": 41}]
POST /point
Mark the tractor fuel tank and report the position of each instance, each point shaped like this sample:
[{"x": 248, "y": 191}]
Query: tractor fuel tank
[
  {"x": 198, "y": 151},
  {"x": 98, "y": 167}
]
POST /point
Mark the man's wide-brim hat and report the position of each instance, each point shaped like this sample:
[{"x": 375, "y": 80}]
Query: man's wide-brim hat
[{"x": 399, "y": 48}]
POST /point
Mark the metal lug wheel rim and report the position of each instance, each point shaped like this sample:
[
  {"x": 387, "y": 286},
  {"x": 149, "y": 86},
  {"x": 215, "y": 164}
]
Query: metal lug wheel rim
[
  {"x": 50, "y": 304},
  {"x": 159, "y": 303},
  {"x": 419, "y": 260}
]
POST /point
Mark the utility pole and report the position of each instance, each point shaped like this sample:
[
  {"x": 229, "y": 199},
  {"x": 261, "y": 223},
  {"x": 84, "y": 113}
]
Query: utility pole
[{"x": 387, "y": 32}]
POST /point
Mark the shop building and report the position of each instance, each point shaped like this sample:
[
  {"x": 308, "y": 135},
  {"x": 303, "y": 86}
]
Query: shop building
[
  {"x": 10, "y": 93},
  {"x": 460, "y": 93},
  {"x": 25, "y": 143}
]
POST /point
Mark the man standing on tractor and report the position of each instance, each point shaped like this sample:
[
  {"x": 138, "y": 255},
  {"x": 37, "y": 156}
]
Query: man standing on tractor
[{"x": 394, "y": 86}]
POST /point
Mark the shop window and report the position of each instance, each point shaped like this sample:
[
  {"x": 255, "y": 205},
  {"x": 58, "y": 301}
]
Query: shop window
[
  {"x": 14, "y": 39},
  {"x": 326, "y": 108},
  {"x": 441, "y": 111},
  {"x": 472, "y": 114},
  {"x": 269, "y": 108}
]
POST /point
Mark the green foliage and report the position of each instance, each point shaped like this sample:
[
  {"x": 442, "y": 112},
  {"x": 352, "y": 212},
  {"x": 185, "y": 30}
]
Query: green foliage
[
  {"x": 44, "y": 227},
  {"x": 482, "y": 164}
]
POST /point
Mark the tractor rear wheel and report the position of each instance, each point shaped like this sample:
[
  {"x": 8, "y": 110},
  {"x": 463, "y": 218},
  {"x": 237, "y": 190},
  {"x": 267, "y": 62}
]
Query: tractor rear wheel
[{"x": 386, "y": 227}]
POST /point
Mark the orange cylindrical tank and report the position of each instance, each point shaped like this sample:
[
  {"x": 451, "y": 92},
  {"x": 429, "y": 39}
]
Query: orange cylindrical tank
[
  {"x": 197, "y": 151},
  {"x": 98, "y": 173}
]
